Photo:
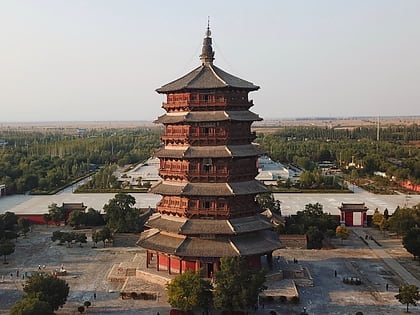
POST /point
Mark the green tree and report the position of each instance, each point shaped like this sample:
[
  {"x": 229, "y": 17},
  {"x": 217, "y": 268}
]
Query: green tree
[
  {"x": 7, "y": 248},
  {"x": 411, "y": 242},
  {"x": 47, "y": 218},
  {"x": 408, "y": 294},
  {"x": 267, "y": 201},
  {"x": 56, "y": 212},
  {"x": 9, "y": 220},
  {"x": 47, "y": 288},
  {"x": 121, "y": 216},
  {"x": 188, "y": 290},
  {"x": 76, "y": 219},
  {"x": 403, "y": 220},
  {"x": 342, "y": 232},
  {"x": 24, "y": 225},
  {"x": 31, "y": 306},
  {"x": 314, "y": 237},
  {"x": 81, "y": 238},
  {"x": 237, "y": 288},
  {"x": 377, "y": 218}
]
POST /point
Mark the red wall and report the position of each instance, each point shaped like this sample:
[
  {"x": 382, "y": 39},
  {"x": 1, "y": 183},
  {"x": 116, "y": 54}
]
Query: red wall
[
  {"x": 34, "y": 218},
  {"x": 188, "y": 265},
  {"x": 175, "y": 265},
  {"x": 163, "y": 262}
]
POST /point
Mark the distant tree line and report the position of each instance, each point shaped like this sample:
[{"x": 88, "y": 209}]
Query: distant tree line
[
  {"x": 395, "y": 153},
  {"x": 42, "y": 162}
]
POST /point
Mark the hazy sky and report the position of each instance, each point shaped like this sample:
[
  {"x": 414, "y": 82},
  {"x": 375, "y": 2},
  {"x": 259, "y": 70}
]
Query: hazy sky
[{"x": 102, "y": 60}]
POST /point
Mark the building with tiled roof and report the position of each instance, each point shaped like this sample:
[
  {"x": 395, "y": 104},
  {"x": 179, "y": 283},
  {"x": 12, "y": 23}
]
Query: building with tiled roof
[{"x": 208, "y": 166}]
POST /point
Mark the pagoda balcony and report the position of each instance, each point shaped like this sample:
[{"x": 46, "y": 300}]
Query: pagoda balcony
[
  {"x": 171, "y": 210},
  {"x": 173, "y": 137},
  {"x": 169, "y": 172},
  {"x": 207, "y": 104},
  {"x": 219, "y": 213}
]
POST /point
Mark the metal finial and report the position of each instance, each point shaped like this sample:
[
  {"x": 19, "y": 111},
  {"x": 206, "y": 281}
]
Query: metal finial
[{"x": 208, "y": 32}]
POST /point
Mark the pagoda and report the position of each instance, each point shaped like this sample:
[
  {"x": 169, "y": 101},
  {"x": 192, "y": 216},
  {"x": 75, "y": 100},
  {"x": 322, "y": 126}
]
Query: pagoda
[{"x": 208, "y": 166}]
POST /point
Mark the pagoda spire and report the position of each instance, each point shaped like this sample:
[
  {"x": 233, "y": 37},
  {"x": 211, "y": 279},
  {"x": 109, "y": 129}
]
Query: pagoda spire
[{"x": 207, "y": 53}]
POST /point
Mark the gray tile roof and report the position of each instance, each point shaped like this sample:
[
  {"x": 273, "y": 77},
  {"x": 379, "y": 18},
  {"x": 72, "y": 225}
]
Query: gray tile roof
[
  {"x": 209, "y": 151},
  {"x": 173, "y": 118},
  {"x": 256, "y": 243},
  {"x": 207, "y": 76},
  {"x": 209, "y": 189},
  {"x": 160, "y": 242},
  {"x": 195, "y": 247},
  {"x": 165, "y": 223},
  {"x": 250, "y": 224},
  {"x": 202, "y": 226}
]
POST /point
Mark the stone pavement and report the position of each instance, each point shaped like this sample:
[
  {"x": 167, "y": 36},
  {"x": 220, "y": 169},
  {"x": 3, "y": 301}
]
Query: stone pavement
[{"x": 406, "y": 276}]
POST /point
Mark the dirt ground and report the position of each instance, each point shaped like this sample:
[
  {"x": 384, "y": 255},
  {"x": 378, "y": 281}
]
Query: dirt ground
[{"x": 88, "y": 268}]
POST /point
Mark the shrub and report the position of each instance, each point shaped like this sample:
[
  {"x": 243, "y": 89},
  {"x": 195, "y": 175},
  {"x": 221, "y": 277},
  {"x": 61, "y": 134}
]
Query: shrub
[{"x": 295, "y": 300}]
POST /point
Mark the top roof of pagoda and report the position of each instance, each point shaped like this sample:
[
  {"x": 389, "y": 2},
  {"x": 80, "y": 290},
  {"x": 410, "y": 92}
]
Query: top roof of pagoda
[{"x": 207, "y": 76}]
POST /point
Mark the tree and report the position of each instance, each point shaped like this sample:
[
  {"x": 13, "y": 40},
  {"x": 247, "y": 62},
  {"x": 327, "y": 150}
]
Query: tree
[
  {"x": 237, "y": 288},
  {"x": 314, "y": 237},
  {"x": 56, "y": 212},
  {"x": 24, "y": 225},
  {"x": 47, "y": 288},
  {"x": 80, "y": 238},
  {"x": 403, "y": 220},
  {"x": 7, "y": 248},
  {"x": 342, "y": 232},
  {"x": 31, "y": 306},
  {"x": 377, "y": 218},
  {"x": 409, "y": 294},
  {"x": 47, "y": 218},
  {"x": 96, "y": 237},
  {"x": 76, "y": 219},
  {"x": 121, "y": 216},
  {"x": 188, "y": 290},
  {"x": 267, "y": 201},
  {"x": 411, "y": 242},
  {"x": 81, "y": 309}
]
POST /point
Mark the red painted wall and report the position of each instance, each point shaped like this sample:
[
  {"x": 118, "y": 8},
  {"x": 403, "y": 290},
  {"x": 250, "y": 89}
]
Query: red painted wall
[
  {"x": 175, "y": 265},
  {"x": 163, "y": 262},
  {"x": 188, "y": 265},
  {"x": 34, "y": 218}
]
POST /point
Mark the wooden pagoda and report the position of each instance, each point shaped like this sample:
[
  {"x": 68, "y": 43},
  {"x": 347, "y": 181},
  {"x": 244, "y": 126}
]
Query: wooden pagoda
[{"x": 208, "y": 165}]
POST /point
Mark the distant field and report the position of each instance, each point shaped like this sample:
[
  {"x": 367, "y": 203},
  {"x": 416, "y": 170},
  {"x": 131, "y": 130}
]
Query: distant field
[{"x": 265, "y": 125}]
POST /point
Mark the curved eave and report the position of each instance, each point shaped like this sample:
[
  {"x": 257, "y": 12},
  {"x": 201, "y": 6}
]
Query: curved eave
[
  {"x": 207, "y": 116},
  {"x": 205, "y": 77},
  {"x": 245, "y": 150},
  {"x": 252, "y": 187},
  {"x": 186, "y": 226},
  {"x": 244, "y": 245}
]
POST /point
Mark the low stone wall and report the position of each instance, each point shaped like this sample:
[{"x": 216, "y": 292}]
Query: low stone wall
[{"x": 294, "y": 241}]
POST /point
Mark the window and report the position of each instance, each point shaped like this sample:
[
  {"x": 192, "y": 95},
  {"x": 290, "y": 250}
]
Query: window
[{"x": 206, "y": 204}]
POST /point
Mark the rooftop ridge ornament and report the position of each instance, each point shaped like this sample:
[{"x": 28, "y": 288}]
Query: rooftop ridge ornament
[{"x": 207, "y": 53}]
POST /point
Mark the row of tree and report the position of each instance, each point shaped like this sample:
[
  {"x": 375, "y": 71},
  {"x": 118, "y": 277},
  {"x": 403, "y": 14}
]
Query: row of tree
[
  {"x": 404, "y": 222},
  {"x": 10, "y": 228},
  {"x": 305, "y": 145},
  {"x": 43, "y": 162}
]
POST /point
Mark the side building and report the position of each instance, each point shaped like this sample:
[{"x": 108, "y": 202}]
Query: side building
[{"x": 208, "y": 166}]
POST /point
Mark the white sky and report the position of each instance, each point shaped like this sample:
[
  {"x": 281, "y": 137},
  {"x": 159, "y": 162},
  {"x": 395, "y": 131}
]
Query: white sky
[{"x": 102, "y": 60}]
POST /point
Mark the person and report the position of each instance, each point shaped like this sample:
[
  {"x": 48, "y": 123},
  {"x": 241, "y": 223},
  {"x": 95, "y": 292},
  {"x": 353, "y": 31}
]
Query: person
[
  {"x": 94, "y": 295},
  {"x": 335, "y": 273},
  {"x": 387, "y": 286}
]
